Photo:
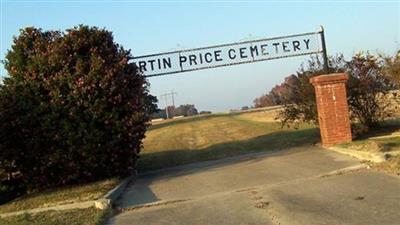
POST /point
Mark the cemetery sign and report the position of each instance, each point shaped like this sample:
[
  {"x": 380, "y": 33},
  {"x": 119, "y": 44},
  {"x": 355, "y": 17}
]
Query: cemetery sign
[{"x": 232, "y": 54}]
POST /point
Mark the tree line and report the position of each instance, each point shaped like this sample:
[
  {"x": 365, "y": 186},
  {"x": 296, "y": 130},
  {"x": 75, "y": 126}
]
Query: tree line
[{"x": 171, "y": 111}]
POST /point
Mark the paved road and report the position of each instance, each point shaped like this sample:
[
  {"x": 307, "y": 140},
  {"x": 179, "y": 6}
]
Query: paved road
[{"x": 292, "y": 187}]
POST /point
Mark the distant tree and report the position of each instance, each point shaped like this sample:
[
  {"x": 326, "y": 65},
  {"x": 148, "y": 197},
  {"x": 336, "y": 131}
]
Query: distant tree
[
  {"x": 205, "y": 112},
  {"x": 159, "y": 114},
  {"x": 182, "y": 110},
  {"x": 186, "y": 110},
  {"x": 263, "y": 101},
  {"x": 245, "y": 108},
  {"x": 170, "y": 111},
  {"x": 277, "y": 94}
]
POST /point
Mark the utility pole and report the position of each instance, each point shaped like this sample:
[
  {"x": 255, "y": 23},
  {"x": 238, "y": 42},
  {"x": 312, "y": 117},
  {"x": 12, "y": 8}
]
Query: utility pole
[
  {"x": 172, "y": 95},
  {"x": 166, "y": 96}
]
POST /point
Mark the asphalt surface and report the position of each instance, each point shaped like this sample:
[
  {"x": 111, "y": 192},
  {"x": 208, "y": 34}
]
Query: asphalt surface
[{"x": 296, "y": 186}]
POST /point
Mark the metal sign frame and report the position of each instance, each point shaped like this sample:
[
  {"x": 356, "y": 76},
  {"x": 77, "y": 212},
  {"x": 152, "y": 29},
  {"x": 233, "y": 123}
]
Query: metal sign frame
[{"x": 320, "y": 32}]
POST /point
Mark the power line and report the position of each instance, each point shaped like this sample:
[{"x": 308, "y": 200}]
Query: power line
[
  {"x": 172, "y": 93},
  {"x": 166, "y": 96}
]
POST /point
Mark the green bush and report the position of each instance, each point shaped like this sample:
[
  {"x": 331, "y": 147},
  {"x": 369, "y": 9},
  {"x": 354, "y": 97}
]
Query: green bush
[{"x": 73, "y": 108}]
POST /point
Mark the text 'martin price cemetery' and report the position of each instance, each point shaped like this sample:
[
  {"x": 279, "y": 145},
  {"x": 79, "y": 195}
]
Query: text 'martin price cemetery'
[{"x": 229, "y": 54}]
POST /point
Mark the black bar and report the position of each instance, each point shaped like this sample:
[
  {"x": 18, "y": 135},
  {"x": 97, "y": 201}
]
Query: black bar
[{"x": 324, "y": 54}]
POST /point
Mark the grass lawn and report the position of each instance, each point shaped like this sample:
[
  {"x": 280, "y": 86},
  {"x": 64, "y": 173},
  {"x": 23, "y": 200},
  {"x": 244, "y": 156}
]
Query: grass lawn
[
  {"x": 60, "y": 196},
  {"x": 375, "y": 145},
  {"x": 215, "y": 136},
  {"x": 384, "y": 139},
  {"x": 392, "y": 165},
  {"x": 89, "y": 216}
]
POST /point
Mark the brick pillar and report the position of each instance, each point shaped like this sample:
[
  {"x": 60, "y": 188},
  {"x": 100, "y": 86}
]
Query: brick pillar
[{"x": 333, "y": 111}]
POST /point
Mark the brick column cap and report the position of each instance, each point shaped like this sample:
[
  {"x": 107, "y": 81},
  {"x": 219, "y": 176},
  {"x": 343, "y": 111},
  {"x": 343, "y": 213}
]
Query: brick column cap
[{"x": 329, "y": 79}]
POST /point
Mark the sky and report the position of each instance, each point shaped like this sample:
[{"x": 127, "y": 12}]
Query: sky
[{"x": 148, "y": 27}]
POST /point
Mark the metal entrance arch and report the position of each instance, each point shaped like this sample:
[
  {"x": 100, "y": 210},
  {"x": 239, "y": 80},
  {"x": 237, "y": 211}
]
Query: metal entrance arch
[
  {"x": 330, "y": 88},
  {"x": 257, "y": 50}
]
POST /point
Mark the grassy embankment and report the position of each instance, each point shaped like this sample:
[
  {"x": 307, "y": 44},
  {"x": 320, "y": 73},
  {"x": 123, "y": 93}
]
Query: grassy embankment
[
  {"x": 385, "y": 139},
  {"x": 89, "y": 216},
  {"x": 60, "y": 196},
  {"x": 201, "y": 138}
]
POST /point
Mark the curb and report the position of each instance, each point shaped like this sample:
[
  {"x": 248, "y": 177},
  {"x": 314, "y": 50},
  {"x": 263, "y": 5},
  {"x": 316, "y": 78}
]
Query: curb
[
  {"x": 393, "y": 135},
  {"x": 102, "y": 203},
  {"x": 151, "y": 204},
  {"x": 108, "y": 199},
  {"x": 376, "y": 157},
  {"x": 345, "y": 170}
]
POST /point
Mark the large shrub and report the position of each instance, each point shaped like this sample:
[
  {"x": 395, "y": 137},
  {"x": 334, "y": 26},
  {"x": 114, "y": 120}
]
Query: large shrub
[
  {"x": 365, "y": 88},
  {"x": 392, "y": 68},
  {"x": 298, "y": 102},
  {"x": 73, "y": 108}
]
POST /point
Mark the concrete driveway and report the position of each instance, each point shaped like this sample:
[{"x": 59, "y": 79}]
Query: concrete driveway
[{"x": 296, "y": 186}]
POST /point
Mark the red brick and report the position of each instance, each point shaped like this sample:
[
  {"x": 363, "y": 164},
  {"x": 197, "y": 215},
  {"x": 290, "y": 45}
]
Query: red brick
[{"x": 333, "y": 112}]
